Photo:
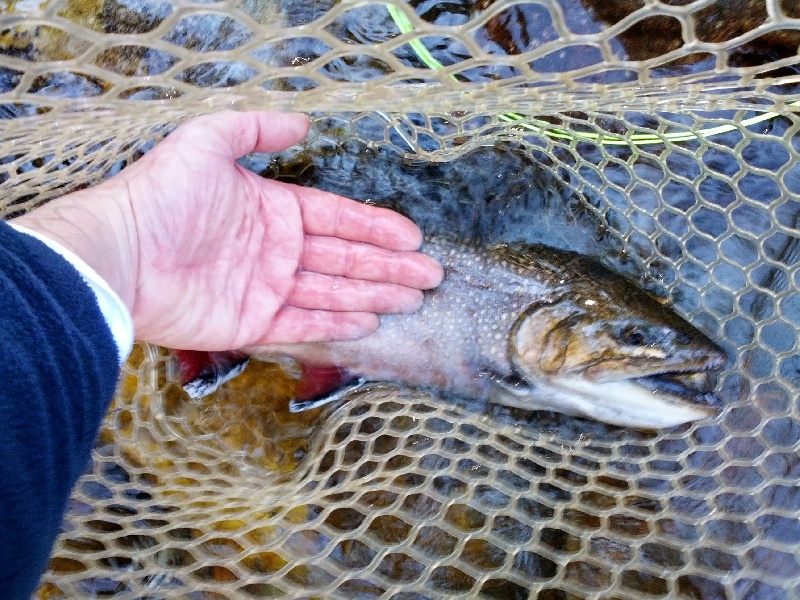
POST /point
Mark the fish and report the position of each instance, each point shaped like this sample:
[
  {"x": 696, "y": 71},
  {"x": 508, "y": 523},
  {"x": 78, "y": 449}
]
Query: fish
[
  {"x": 202, "y": 373},
  {"x": 533, "y": 327}
]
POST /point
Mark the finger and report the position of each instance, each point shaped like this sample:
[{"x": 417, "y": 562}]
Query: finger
[
  {"x": 333, "y": 256},
  {"x": 335, "y": 216},
  {"x": 245, "y": 132},
  {"x": 293, "y": 325},
  {"x": 326, "y": 292}
]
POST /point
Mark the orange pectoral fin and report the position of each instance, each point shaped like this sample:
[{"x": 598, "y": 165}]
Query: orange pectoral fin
[
  {"x": 201, "y": 373},
  {"x": 316, "y": 381}
]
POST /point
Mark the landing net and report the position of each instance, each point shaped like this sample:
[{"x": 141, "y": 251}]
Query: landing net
[{"x": 672, "y": 126}]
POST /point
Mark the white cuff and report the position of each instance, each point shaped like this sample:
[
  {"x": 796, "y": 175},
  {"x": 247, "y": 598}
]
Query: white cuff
[{"x": 113, "y": 308}]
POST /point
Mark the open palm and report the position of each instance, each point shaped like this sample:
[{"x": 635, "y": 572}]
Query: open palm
[
  {"x": 209, "y": 256},
  {"x": 227, "y": 259}
]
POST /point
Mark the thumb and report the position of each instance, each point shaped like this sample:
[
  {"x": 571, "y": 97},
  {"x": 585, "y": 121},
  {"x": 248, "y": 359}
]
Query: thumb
[{"x": 243, "y": 132}]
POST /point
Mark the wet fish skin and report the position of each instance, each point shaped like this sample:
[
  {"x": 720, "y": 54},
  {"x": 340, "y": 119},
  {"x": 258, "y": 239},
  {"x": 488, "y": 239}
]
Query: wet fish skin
[{"x": 537, "y": 328}]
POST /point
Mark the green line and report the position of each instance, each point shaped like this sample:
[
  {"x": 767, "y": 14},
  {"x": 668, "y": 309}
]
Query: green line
[
  {"x": 544, "y": 128},
  {"x": 405, "y": 26}
]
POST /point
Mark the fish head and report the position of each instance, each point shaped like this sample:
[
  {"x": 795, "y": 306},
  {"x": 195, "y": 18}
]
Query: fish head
[{"x": 617, "y": 355}]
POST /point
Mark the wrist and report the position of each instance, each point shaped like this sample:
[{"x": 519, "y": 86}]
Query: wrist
[{"x": 97, "y": 225}]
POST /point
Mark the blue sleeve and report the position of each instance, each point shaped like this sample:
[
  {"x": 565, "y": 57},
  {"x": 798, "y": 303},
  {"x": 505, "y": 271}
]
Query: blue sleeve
[{"x": 58, "y": 370}]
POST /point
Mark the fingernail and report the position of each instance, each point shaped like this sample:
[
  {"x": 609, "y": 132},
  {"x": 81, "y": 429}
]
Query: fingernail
[
  {"x": 432, "y": 274},
  {"x": 415, "y": 300},
  {"x": 355, "y": 330}
]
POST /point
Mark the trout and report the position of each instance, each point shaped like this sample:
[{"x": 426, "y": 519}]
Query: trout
[{"x": 537, "y": 328}]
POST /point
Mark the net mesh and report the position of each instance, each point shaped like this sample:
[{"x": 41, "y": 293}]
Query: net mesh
[{"x": 670, "y": 126}]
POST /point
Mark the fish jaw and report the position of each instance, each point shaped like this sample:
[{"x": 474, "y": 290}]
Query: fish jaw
[
  {"x": 701, "y": 358},
  {"x": 625, "y": 403}
]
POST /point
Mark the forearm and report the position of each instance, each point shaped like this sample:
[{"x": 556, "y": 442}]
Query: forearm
[{"x": 98, "y": 226}]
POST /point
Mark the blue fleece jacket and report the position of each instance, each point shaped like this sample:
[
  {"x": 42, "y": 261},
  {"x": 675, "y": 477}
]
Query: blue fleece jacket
[{"x": 58, "y": 370}]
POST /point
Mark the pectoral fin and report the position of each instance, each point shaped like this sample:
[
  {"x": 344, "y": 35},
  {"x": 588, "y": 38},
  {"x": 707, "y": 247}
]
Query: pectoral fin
[
  {"x": 201, "y": 373},
  {"x": 513, "y": 384},
  {"x": 296, "y": 406}
]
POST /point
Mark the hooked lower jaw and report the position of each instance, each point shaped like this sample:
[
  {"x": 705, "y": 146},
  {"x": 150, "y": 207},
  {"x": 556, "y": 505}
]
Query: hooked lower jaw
[{"x": 659, "y": 401}]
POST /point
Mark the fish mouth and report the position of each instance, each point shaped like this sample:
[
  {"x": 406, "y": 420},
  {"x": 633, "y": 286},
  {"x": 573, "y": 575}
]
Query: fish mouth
[
  {"x": 694, "y": 387},
  {"x": 654, "y": 401},
  {"x": 680, "y": 369}
]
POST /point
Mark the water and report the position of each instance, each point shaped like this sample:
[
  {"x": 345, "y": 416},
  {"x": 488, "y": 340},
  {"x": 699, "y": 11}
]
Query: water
[{"x": 707, "y": 511}]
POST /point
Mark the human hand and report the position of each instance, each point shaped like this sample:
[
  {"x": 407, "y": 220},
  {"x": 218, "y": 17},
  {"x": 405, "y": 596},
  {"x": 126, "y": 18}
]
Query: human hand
[{"x": 209, "y": 256}]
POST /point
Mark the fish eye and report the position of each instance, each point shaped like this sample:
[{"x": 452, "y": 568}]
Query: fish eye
[{"x": 633, "y": 336}]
